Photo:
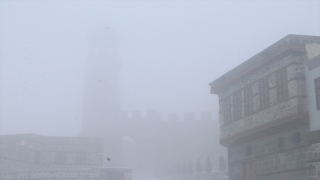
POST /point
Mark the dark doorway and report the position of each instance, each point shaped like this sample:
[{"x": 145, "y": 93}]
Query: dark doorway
[{"x": 250, "y": 170}]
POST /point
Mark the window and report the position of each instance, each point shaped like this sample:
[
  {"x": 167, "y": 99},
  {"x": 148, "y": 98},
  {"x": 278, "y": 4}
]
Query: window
[
  {"x": 237, "y": 104},
  {"x": 317, "y": 86},
  {"x": 282, "y": 84},
  {"x": 227, "y": 110},
  {"x": 248, "y": 100},
  {"x": 280, "y": 142},
  {"x": 296, "y": 137},
  {"x": 264, "y": 93},
  {"x": 61, "y": 158},
  {"x": 81, "y": 158},
  {"x": 114, "y": 175},
  {"x": 250, "y": 170},
  {"x": 249, "y": 150},
  {"x": 37, "y": 157}
]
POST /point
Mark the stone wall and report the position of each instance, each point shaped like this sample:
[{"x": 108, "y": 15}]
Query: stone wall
[
  {"x": 53, "y": 174},
  {"x": 274, "y": 161},
  {"x": 273, "y": 113},
  {"x": 97, "y": 174},
  {"x": 314, "y": 158},
  {"x": 23, "y": 152},
  {"x": 189, "y": 140},
  {"x": 202, "y": 176},
  {"x": 272, "y": 140}
]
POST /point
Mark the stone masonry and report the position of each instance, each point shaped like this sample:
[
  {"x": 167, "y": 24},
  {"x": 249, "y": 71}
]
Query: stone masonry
[
  {"x": 28, "y": 152},
  {"x": 272, "y": 141},
  {"x": 31, "y": 157}
]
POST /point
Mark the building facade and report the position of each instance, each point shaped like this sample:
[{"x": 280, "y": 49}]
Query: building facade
[
  {"x": 312, "y": 73},
  {"x": 264, "y": 117}
]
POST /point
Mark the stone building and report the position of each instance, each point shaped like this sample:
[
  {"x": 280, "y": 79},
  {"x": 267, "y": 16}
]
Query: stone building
[
  {"x": 312, "y": 73},
  {"x": 263, "y": 112},
  {"x": 30, "y": 156}
]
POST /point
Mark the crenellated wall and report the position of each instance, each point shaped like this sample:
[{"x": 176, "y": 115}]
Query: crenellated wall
[
  {"x": 182, "y": 137},
  {"x": 151, "y": 115}
]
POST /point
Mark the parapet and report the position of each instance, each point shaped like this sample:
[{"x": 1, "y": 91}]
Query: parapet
[{"x": 154, "y": 115}]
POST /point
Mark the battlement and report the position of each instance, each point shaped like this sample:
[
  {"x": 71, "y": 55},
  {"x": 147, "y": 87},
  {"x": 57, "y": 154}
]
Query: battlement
[{"x": 171, "y": 116}]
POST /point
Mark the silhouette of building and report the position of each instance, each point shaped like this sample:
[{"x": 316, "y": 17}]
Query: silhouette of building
[
  {"x": 264, "y": 117},
  {"x": 110, "y": 138},
  {"x": 138, "y": 141}
]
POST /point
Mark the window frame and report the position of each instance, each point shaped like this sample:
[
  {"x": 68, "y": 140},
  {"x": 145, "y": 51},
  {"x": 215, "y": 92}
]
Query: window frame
[
  {"x": 227, "y": 115},
  {"x": 248, "y": 100},
  {"x": 60, "y": 158},
  {"x": 282, "y": 85},
  {"x": 281, "y": 142},
  {"x": 264, "y": 96},
  {"x": 249, "y": 170},
  {"x": 237, "y": 105},
  {"x": 317, "y": 92},
  {"x": 296, "y": 137},
  {"x": 81, "y": 158},
  {"x": 249, "y": 150}
]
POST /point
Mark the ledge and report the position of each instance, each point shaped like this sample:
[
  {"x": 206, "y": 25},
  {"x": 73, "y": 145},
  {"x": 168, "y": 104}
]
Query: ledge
[{"x": 266, "y": 129}]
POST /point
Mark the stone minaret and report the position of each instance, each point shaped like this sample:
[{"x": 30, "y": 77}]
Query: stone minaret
[{"x": 102, "y": 80}]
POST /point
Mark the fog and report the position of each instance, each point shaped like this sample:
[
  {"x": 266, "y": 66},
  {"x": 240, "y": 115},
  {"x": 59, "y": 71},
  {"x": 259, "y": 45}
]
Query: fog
[{"x": 167, "y": 52}]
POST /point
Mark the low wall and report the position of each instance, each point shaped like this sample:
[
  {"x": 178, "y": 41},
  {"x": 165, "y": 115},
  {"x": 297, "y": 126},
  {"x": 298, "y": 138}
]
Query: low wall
[
  {"x": 202, "y": 176},
  {"x": 84, "y": 174}
]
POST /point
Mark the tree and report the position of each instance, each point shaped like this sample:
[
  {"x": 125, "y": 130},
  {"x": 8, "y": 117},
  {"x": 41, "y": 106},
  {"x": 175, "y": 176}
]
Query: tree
[
  {"x": 208, "y": 165},
  {"x": 179, "y": 169},
  {"x": 190, "y": 168},
  {"x": 222, "y": 163},
  {"x": 185, "y": 168},
  {"x": 199, "y": 167},
  {"x": 157, "y": 172},
  {"x": 164, "y": 171},
  {"x": 173, "y": 170}
]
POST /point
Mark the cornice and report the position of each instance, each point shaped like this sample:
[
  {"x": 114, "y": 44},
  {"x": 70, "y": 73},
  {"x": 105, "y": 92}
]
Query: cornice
[
  {"x": 266, "y": 129},
  {"x": 285, "y": 46}
]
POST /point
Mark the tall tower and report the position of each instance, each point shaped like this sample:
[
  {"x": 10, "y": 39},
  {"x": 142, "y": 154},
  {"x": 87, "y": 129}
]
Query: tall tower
[{"x": 102, "y": 92}]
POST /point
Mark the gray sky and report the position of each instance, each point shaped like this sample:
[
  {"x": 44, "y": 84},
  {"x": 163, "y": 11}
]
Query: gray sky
[{"x": 169, "y": 51}]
